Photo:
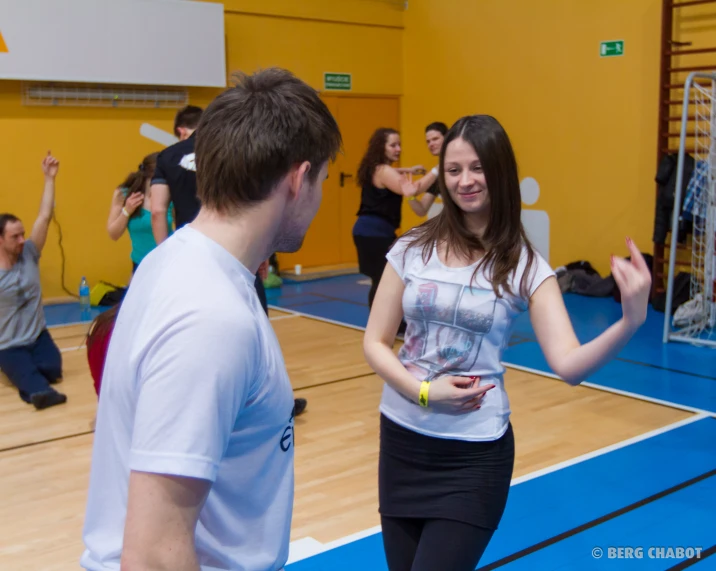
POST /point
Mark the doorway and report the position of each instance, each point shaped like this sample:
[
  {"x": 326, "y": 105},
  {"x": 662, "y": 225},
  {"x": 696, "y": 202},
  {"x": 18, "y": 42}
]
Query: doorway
[{"x": 329, "y": 241}]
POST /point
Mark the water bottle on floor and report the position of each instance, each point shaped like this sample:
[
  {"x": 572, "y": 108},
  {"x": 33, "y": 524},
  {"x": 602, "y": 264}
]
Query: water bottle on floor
[{"x": 84, "y": 296}]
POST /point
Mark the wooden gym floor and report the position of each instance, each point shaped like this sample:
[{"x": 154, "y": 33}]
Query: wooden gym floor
[{"x": 45, "y": 455}]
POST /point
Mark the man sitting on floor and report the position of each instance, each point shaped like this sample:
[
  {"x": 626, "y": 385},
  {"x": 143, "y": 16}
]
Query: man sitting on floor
[{"x": 28, "y": 355}]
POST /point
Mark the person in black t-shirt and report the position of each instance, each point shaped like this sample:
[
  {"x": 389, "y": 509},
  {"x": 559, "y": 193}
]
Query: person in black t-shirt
[
  {"x": 174, "y": 182},
  {"x": 434, "y": 136},
  {"x": 174, "y": 179}
]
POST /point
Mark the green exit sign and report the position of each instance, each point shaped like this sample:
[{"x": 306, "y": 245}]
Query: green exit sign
[
  {"x": 611, "y": 49},
  {"x": 337, "y": 81}
]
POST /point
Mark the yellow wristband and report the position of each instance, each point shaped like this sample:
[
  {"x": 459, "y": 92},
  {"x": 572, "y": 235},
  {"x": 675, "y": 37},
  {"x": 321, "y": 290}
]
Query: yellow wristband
[
  {"x": 412, "y": 198},
  {"x": 423, "y": 398}
]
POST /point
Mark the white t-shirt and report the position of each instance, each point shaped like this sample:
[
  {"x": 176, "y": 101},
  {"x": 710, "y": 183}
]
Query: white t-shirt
[
  {"x": 195, "y": 385},
  {"x": 455, "y": 330}
]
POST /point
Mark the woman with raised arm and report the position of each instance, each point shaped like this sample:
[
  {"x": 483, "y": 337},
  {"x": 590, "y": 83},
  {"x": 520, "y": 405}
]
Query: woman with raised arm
[
  {"x": 130, "y": 211},
  {"x": 382, "y": 190}
]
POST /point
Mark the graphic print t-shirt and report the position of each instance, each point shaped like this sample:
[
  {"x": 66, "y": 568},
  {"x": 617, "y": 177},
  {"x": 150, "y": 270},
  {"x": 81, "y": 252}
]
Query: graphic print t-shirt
[{"x": 456, "y": 328}]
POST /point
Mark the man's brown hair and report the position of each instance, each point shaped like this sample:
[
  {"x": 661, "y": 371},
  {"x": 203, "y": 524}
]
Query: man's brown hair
[
  {"x": 188, "y": 117},
  {"x": 251, "y": 135}
]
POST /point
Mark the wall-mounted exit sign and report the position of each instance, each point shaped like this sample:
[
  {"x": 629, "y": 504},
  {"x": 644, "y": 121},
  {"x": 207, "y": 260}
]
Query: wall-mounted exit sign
[
  {"x": 611, "y": 49},
  {"x": 337, "y": 81}
]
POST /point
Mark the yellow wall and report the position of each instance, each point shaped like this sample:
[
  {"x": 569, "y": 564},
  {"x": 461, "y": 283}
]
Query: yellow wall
[
  {"x": 583, "y": 126},
  {"x": 388, "y": 13},
  {"x": 309, "y": 48},
  {"x": 98, "y": 147}
]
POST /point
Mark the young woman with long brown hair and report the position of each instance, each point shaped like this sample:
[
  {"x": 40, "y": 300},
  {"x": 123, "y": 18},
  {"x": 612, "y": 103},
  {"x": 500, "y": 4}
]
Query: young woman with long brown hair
[
  {"x": 382, "y": 190},
  {"x": 461, "y": 279}
]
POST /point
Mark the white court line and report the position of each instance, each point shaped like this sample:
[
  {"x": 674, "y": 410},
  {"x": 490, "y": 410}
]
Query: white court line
[
  {"x": 615, "y": 391},
  {"x": 276, "y": 318},
  {"x": 323, "y": 319},
  {"x": 61, "y": 325},
  {"x": 610, "y": 448},
  {"x": 280, "y": 317},
  {"x": 536, "y": 474},
  {"x": 303, "y": 549},
  {"x": 313, "y": 547},
  {"x": 535, "y": 371},
  {"x": 351, "y": 538},
  {"x": 68, "y": 349}
]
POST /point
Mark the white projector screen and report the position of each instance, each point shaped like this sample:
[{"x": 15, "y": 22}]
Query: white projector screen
[{"x": 146, "y": 42}]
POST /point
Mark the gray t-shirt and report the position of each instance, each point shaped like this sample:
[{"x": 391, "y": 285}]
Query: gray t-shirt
[
  {"x": 21, "y": 316},
  {"x": 456, "y": 326}
]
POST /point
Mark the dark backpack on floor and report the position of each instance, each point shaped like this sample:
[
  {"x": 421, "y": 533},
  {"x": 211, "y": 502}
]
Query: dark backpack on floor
[{"x": 682, "y": 294}]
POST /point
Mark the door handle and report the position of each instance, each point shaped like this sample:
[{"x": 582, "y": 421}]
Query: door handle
[{"x": 344, "y": 176}]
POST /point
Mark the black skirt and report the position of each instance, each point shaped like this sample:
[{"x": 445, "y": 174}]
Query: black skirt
[{"x": 435, "y": 478}]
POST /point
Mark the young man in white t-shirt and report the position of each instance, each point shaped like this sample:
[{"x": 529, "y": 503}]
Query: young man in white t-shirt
[{"x": 192, "y": 466}]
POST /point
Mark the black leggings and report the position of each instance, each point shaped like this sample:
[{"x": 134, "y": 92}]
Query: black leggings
[
  {"x": 431, "y": 544},
  {"x": 371, "y": 259}
]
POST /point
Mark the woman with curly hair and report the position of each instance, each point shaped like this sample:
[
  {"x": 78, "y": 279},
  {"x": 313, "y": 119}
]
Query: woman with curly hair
[{"x": 382, "y": 190}]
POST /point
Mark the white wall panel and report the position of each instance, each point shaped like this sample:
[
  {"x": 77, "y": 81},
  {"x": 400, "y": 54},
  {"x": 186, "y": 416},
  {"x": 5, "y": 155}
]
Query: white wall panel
[{"x": 151, "y": 42}]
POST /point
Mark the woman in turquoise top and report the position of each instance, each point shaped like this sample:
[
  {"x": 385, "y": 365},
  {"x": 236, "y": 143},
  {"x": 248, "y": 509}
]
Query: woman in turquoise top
[{"x": 131, "y": 211}]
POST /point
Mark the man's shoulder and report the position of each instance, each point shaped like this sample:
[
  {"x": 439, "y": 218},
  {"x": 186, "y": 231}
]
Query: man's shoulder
[
  {"x": 180, "y": 154},
  {"x": 178, "y": 148},
  {"x": 199, "y": 283},
  {"x": 30, "y": 251}
]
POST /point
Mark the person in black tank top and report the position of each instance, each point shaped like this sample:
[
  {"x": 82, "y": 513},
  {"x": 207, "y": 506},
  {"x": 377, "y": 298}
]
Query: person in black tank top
[{"x": 382, "y": 190}]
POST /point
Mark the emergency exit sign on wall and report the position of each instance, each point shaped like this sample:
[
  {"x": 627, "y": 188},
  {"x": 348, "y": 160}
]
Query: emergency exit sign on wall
[
  {"x": 337, "y": 81},
  {"x": 611, "y": 49}
]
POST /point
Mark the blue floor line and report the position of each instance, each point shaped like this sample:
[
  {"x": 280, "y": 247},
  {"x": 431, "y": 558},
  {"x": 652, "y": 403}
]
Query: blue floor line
[
  {"x": 68, "y": 313},
  {"x": 540, "y": 508},
  {"x": 677, "y": 373},
  {"x": 557, "y": 502},
  {"x": 554, "y": 503},
  {"x": 677, "y": 388},
  {"x": 684, "y": 518},
  {"x": 590, "y": 317},
  {"x": 705, "y": 564},
  {"x": 335, "y": 311},
  {"x": 680, "y": 374}
]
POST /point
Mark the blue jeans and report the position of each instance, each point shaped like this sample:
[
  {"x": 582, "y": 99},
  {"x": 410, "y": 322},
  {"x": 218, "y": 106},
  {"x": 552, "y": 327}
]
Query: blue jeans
[{"x": 31, "y": 368}]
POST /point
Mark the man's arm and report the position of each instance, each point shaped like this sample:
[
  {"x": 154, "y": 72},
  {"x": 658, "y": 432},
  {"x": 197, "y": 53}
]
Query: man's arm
[
  {"x": 162, "y": 513},
  {"x": 160, "y": 199},
  {"x": 50, "y": 166}
]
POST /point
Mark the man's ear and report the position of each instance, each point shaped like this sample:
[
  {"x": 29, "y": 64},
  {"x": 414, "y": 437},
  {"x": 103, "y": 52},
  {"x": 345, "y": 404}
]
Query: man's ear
[{"x": 297, "y": 178}]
